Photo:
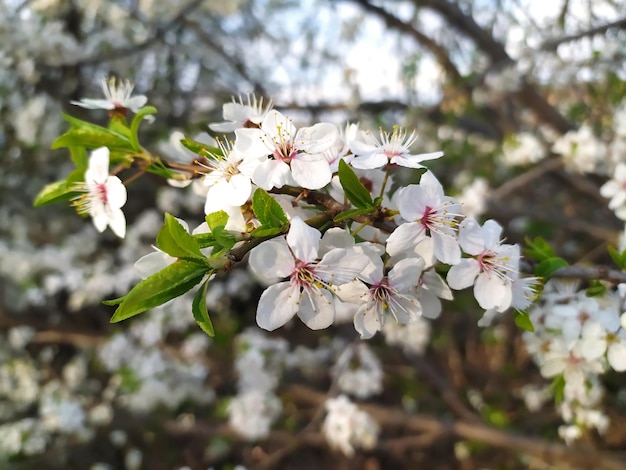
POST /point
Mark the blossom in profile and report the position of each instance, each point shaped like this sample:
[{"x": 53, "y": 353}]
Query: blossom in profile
[
  {"x": 104, "y": 195},
  {"x": 118, "y": 96},
  {"x": 392, "y": 148},
  {"x": 242, "y": 114}
]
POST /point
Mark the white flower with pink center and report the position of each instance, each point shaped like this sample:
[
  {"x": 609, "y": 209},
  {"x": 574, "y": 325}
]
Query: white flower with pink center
[
  {"x": 104, "y": 196},
  {"x": 307, "y": 291},
  {"x": 491, "y": 269}
]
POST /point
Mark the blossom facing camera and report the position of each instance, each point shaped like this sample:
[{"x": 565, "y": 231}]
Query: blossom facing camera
[
  {"x": 118, "y": 100},
  {"x": 104, "y": 195}
]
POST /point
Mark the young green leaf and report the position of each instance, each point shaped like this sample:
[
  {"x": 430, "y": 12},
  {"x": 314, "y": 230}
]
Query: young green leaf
[
  {"x": 216, "y": 219},
  {"x": 85, "y": 134},
  {"x": 267, "y": 210},
  {"x": 619, "y": 258},
  {"x": 134, "y": 125},
  {"x": 549, "y": 266},
  {"x": 538, "y": 249},
  {"x": 200, "y": 312},
  {"x": 356, "y": 193},
  {"x": 172, "y": 281},
  {"x": 596, "y": 288},
  {"x": 54, "y": 192},
  {"x": 352, "y": 213},
  {"x": 176, "y": 241},
  {"x": 522, "y": 320}
]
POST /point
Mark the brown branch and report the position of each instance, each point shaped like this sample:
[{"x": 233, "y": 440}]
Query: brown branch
[
  {"x": 549, "y": 452},
  {"x": 552, "y": 44},
  {"x": 590, "y": 273}
]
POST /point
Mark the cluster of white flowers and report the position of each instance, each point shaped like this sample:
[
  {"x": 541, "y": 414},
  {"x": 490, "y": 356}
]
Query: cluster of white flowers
[
  {"x": 582, "y": 151},
  {"x": 259, "y": 365},
  {"x": 358, "y": 372},
  {"x": 346, "y": 426},
  {"x": 577, "y": 338}
]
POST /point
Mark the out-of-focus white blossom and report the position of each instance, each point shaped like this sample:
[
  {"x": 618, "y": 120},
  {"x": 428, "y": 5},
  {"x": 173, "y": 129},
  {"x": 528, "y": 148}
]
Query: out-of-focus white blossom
[
  {"x": 346, "y": 427},
  {"x": 582, "y": 151},
  {"x": 358, "y": 372},
  {"x": 522, "y": 149}
]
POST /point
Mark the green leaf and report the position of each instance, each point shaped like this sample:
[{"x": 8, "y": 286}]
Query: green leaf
[
  {"x": 618, "y": 258},
  {"x": 352, "y": 213},
  {"x": 134, "y": 125},
  {"x": 172, "y": 281},
  {"x": 595, "y": 288},
  {"x": 85, "y": 134},
  {"x": 356, "y": 193},
  {"x": 522, "y": 320},
  {"x": 79, "y": 157},
  {"x": 262, "y": 231},
  {"x": 538, "y": 249},
  {"x": 558, "y": 388},
  {"x": 216, "y": 219},
  {"x": 200, "y": 312},
  {"x": 549, "y": 266},
  {"x": 267, "y": 210},
  {"x": 176, "y": 241},
  {"x": 54, "y": 192},
  {"x": 200, "y": 148}
]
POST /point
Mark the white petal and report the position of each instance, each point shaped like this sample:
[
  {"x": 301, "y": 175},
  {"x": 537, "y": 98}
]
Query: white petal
[
  {"x": 617, "y": 356},
  {"x": 117, "y": 222},
  {"x": 341, "y": 265},
  {"x": 317, "y": 138},
  {"x": 317, "y": 308},
  {"x": 152, "y": 263},
  {"x": 278, "y": 127},
  {"x": 406, "y": 273},
  {"x": 89, "y": 103},
  {"x": 462, "y": 275},
  {"x": 271, "y": 174},
  {"x": 311, "y": 174},
  {"x": 303, "y": 240},
  {"x": 447, "y": 249},
  {"x": 367, "y": 322},
  {"x": 489, "y": 291},
  {"x": 271, "y": 260},
  {"x": 435, "y": 283},
  {"x": 98, "y": 170},
  {"x": 136, "y": 102},
  {"x": 238, "y": 190},
  {"x": 471, "y": 237},
  {"x": 368, "y": 162},
  {"x": 405, "y": 238},
  {"x": 277, "y": 305},
  {"x": 116, "y": 192}
]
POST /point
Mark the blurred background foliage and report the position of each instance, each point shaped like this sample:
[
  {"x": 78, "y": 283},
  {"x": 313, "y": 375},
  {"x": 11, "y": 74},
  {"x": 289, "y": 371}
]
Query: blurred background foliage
[{"x": 471, "y": 76}]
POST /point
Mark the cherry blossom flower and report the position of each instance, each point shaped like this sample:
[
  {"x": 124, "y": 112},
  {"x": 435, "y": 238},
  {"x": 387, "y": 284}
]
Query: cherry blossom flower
[
  {"x": 118, "y": 97},
  {"x": 296, "y": 155},
  {"x": 391, "y": 148},
  {"x": 615, "y": 189},
  {"x": 228, "y": 176},
  {"x": 383, "y": 295},
  {"x": 307, "y": 291},
  {"x": 104, "y": 196},
  {"x": 346, "y": 426},
  {"x": 492, "y": 265},
  {"x": 429, "y": 212},
  {"x": 242, "y": 114}
]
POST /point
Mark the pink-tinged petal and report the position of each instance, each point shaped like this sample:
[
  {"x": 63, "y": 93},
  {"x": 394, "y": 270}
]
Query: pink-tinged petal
[
  {"x": 317, "y": 308},
  {"x": 303, "y": 240},
  {"x": 277, "y": 305},
  {"x": 406, "y": 273},
  {"x": 311, "y": 174},
  {"x": 405, "y": 238},
  {"x": 271, "y": 174},
  {"x": 152, "y": 263},
  {"x": 116, "y": 192},
  {"x": 341, "y": 265},
  {"x": 367, "y": 322},
  {"x": 368, "y": 162},
  {"x": 447, "y": 248},
  {"x": 117, "y": 222},
  {"x": 490, "y": 291},
  {"x": 617, "y": 356},
  {"x": 271, "y": 260},
  {"x": 317, "y": 138},
  {"x": 462, "y": 275}
]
